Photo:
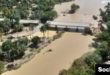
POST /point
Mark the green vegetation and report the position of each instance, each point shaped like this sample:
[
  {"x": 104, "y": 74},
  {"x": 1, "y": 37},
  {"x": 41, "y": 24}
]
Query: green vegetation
[
  {"x": 86, "y": 64},
  {"x": 43, "y": 30},
  {"x": 11, "y": 50},
  {"x": 74, "y": 7},
  {"x": 35, "y": 41},
  {"x": 14, "y": 10},
  {"x": 95, "y": 17},
  {"x": 87, "y": 31},
  {"x": 1, "y": 66},
  {"x": 105, "y": 14}
]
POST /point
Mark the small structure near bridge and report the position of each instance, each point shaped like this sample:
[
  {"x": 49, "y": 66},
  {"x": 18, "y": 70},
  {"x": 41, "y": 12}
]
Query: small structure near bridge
[
  {"x": 23, "y": 21},
  {"x": 29, "y": 21}
]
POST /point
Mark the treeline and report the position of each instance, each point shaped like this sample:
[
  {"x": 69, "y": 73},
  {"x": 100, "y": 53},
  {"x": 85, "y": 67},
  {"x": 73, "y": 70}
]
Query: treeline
[
  {"x": 14, "y": 10},
  {"x": 39, "y": 8},
  {"x": 86, "y": 64},
  {"x": 14, "y": 49}
]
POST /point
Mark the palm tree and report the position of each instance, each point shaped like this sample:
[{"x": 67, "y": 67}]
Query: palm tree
[
  {"x": 43, "y": 30},
  {"x": 47, "y": 27}
]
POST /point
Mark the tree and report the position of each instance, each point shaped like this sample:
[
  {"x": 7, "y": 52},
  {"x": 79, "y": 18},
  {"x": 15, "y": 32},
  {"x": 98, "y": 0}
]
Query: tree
[
  {"x": 105, "y": 15},
  {"x": 17, "y": 52},
  {"x": 18, "y": 28},
  {"x": 48, "y": 15},
  {"x": 5, "y": 26},
  {"x": 93, "y": 59},
  {"x": 87, "y": 30},
  {"x": 103, "y": 50},
  {"x": 23, "y": 40},
  {"x": 24, "y": 13},
  {"x": 1, "y": 66},
  {"x": 74, "y": 7},
  {"x": 104, "y": 36},
  {"x": 46, "y": 5},
  {"x": 35, "y": 40},
  {"x": 7, "y": 46},
  {"x": 95, "y": 17},
  {"x": 47, "y": 27},
  {"x": 108, "y": 26},
  {"x": 13, "y": 50},
  {"x": 14, "y": 17},
  {"x": 43, "y": 30}
]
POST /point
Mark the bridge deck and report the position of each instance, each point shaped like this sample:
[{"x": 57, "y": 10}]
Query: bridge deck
[{"x": 68, "y": 24}]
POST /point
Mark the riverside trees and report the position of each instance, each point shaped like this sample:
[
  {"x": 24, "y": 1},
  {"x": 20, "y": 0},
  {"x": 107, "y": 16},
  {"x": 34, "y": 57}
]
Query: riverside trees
[
  {"x": 14, "y": 10},
  {"x": 74, "y": 7},
  {"x": 35, "y": 41},
  {"x": 44, "y": 10},
  {"x": 13, "y": 50}
]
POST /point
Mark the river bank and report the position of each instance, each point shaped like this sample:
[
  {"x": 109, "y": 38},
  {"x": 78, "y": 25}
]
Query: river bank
[{"x": 64, "y": 51}]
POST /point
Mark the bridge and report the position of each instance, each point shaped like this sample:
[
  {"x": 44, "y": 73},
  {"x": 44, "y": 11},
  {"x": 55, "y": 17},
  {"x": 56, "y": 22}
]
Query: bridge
[
  {"x": 56, "y": 23},
  {"x": 70, "y": 25},
  {"x": 61, "y": 25}
]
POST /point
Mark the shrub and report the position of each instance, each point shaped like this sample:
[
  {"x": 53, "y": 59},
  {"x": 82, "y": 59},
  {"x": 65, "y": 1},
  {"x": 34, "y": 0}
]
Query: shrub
[
  {"x": 74, "y": 7},
  {"x": 93, "y": 59},
  {"x": 87, "y": 31},
  {"x": 35, "y": 40},
  {"x": 95, "y": 17},
  {"x": 1, "y": 67}
]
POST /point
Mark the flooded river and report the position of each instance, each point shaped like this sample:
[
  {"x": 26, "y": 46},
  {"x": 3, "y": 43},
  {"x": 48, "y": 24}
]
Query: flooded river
[
  {"x": 66, "y": 49},
  {"x": 87, "y": 9}
]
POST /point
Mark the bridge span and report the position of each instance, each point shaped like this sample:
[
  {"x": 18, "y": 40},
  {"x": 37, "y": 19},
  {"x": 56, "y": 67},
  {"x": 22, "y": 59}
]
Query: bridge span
[{"x": 70, "y": 25}]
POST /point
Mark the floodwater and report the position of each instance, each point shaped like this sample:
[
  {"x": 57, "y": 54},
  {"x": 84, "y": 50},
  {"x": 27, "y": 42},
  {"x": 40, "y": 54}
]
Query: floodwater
[
  {"x": 66, "y": 49},
  {"x": 85, "y": 13}
]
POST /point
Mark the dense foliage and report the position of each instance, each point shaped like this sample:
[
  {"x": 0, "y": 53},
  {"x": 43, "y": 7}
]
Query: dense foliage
[
  {"x": 1, "y": 66},
  {"x": 14, "y": 10},
  {"x": 11, "y": 50},
  {"x": 35, "y": 41},
  {"x": 74, "y": 7},
  {"x": 23, "y": 7}
]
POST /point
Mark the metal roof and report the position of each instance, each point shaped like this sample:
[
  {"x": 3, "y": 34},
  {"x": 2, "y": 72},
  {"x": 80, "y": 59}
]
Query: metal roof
[
  {"x": 29, "y": 21},
  {"x": 25, "y": 21}
]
